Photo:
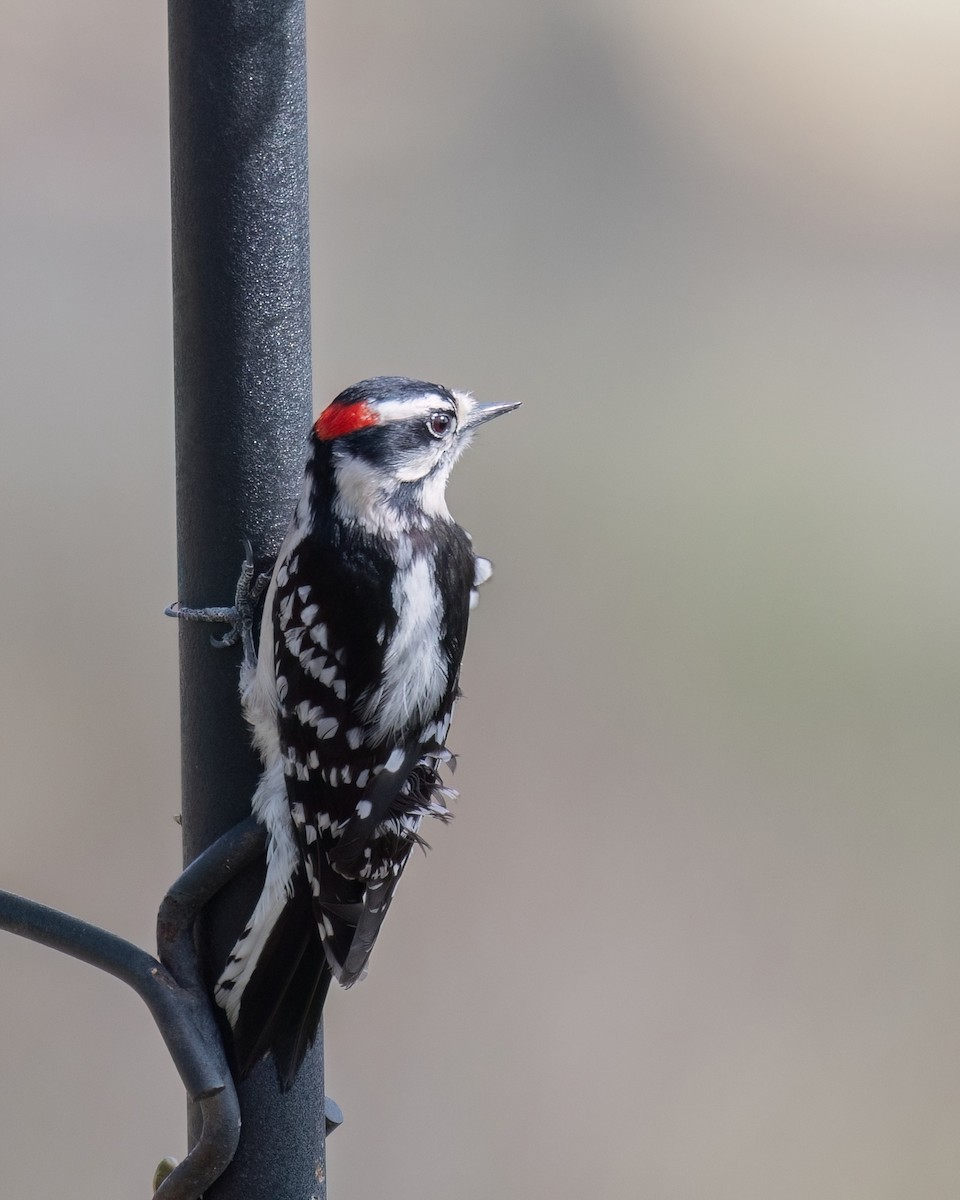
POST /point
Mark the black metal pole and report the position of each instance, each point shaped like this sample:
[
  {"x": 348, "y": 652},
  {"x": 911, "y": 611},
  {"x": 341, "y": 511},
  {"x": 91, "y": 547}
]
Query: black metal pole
[{"x": 238, "y": 126}]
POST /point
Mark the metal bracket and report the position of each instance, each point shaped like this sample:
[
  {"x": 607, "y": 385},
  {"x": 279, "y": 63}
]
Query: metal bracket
[{"x": 173, "y": 991}]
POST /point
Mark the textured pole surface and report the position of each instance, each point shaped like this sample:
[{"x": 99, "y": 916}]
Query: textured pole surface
[{"x": 238, "y": 124}]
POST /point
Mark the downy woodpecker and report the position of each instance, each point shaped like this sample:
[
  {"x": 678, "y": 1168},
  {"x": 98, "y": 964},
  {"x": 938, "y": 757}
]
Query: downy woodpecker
[{"x": 350, "y": 699}]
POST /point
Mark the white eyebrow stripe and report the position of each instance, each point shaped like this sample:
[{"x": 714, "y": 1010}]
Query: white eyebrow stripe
[{"x": 403, "y": 410}]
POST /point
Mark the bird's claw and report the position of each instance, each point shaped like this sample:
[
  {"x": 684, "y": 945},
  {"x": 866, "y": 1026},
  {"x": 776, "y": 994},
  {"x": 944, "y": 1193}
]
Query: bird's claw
[
  {"x": 250, "y": 587},
  {"x": 219, "y": 614}
]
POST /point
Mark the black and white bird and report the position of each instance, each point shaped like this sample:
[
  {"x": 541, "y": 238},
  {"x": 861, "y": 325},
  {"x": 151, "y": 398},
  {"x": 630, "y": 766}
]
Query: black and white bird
[{"x": 350, "y": 699}]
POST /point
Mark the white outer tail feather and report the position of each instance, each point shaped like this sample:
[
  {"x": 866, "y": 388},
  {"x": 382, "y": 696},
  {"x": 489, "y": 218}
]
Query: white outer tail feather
[{"x": 270, "y": 808}]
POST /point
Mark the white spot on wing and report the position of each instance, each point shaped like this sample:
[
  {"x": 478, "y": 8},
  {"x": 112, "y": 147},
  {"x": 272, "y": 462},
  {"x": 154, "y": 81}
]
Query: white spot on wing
[
  {"x": 482, "y": 570},
  {"x": 314, "y": 666},
  {"x": 395, "y": 761}
]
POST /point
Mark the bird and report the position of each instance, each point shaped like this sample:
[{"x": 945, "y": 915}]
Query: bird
[{"x": 349, "y": 699}]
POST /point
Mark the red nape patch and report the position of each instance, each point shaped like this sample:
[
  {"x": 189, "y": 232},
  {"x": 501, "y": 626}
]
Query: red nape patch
[{"x": 338, "y": 419}]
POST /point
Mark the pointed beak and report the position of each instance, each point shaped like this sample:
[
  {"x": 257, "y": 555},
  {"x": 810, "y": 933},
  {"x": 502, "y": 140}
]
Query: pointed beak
[{"x": 482, "y": 413}]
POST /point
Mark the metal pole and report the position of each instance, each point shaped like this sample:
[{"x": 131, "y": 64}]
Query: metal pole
[{"x": 238, "y": 124}]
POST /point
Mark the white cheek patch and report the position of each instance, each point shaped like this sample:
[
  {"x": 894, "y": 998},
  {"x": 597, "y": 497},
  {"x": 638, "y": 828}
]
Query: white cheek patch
[
  {"x": 363, "y": 495},
  {"x": 416, "y": 468}
]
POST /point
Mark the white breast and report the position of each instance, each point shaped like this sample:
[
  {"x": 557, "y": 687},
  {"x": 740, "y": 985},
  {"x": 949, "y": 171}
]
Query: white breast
[{"x": 414, "y": 666}]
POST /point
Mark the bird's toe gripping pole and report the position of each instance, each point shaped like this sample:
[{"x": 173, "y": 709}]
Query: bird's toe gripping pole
[{"x": 240, "y": 615}]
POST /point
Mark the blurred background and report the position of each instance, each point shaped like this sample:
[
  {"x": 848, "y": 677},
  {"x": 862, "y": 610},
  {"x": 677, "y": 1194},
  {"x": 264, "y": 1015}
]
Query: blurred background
[{"x": 692, "y": 935}]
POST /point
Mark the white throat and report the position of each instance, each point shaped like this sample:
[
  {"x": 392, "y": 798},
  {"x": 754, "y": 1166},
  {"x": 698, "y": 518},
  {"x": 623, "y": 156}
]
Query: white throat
[{"x": 362, "y": 497}]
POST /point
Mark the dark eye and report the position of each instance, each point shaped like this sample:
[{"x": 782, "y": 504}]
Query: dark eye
[{"x": 439, "y": 423}]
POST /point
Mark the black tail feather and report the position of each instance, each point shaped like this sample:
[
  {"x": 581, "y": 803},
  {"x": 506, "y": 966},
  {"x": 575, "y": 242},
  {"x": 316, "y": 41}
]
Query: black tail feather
[{"x": 282, "y": 1002}]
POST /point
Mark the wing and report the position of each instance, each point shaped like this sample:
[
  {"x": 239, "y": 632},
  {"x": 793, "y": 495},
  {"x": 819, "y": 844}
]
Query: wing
[{"x": 357, "y": 796}]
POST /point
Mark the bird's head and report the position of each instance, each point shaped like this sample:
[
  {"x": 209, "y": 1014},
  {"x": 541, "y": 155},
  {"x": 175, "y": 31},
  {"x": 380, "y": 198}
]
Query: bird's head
[{"x": 393, "y": 442}]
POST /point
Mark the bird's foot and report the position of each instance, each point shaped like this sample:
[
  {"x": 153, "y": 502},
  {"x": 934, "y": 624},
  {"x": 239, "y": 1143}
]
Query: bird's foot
[{"x": 240, "y": 615}]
